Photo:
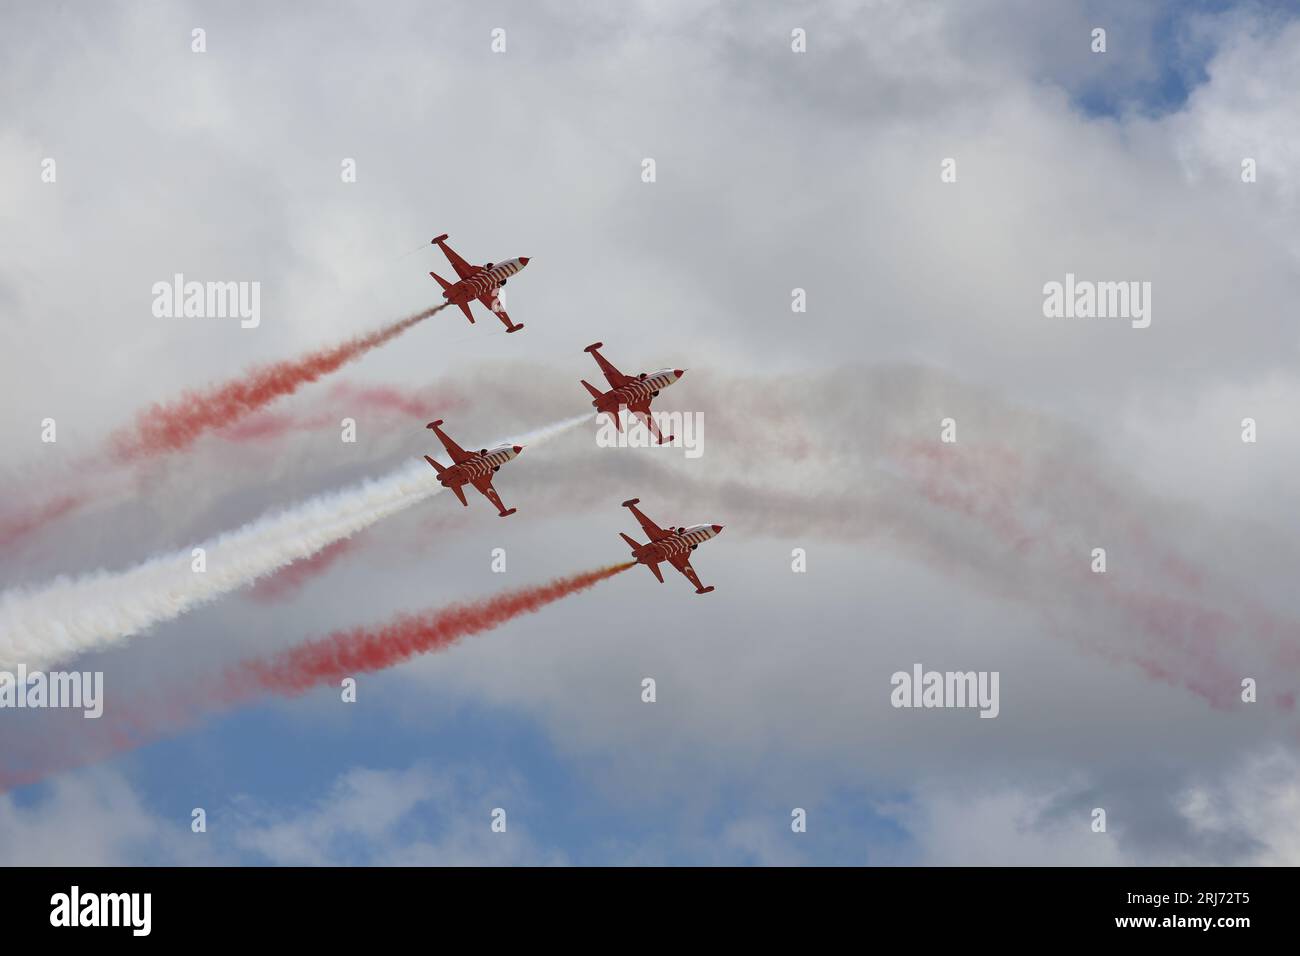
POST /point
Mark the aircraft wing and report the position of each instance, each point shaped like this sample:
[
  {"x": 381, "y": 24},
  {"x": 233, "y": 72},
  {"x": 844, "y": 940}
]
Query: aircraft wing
[
  {"x": 654, "y": 532},
  {"x": 643, "y": 410},
  {"x": 615, "y": 378},
  {"x": 682, "y": 563},
  {"x": 457, "y": 453},
  {"x": 484, "y": 484},
  {"x": 494, "y": 305},
  {"x": 463, "y": 268}
]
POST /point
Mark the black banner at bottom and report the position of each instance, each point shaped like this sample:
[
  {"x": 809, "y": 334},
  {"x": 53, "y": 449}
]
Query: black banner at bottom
[{"x": 331, "y": 905}]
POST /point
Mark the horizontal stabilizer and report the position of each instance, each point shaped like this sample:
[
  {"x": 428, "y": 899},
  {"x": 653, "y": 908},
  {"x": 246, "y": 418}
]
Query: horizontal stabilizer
[
  {"x": 595, "y": 392},
  {"x": 654, "y": 569},
  {"x": 436, "y": 467},
  {"x": 441, "y": 281},
  {"x": 630, "y": 540}
]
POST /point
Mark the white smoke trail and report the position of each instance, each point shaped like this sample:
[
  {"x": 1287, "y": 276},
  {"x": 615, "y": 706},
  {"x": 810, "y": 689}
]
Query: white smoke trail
[{"x": 43, "y": 625}]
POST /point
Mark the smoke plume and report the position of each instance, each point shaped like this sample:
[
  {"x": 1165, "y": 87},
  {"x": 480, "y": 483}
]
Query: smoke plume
[
  {"x": 179, "y": 423},
  {"x": 69, "y": 616},
  {"x": 289, "y": 673}
]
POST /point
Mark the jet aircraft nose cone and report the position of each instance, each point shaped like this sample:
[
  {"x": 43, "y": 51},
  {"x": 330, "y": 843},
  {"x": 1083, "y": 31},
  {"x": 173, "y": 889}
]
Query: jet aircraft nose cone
[
  {"x": 523, "y": 260},
  {"x": 518, "y": 449},
  {"x": 717, "y": 529},
  {"x": 679, "y": 372}
]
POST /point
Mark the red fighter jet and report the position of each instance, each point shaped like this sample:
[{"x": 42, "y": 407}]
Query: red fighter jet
[
  {"x": 478, "y": 282},
  {"x": 634, "y": 392},
  {"x": 472, "y": 469},
  {"x": 675, "y": 547}
]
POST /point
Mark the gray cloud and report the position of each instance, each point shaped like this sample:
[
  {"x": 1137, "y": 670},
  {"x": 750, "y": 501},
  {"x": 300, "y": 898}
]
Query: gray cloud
[{"x": 775, "y": 172}]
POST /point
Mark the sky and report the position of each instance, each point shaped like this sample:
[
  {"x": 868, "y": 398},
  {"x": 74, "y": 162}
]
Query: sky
[{"x": 774, "y": 171}]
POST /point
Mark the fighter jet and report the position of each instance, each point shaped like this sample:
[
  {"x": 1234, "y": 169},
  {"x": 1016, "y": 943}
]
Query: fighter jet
[
  {"x": 675, "y": 547},
  {"x": 636, "y": 392},
  {"x": 478, "y": 282},
  {"x": 472, "y": 469}
]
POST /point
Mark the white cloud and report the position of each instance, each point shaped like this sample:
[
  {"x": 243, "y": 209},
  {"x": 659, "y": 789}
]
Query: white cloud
[
  {"x": 411, "y": 817},
  {"x": 1256, "y": 804},
  {"x": 96, "y": 818},
  {"x": 1245, "y": 816},
  {"x": 819, "y": 171},
  {"x": 407, "y": 817}
]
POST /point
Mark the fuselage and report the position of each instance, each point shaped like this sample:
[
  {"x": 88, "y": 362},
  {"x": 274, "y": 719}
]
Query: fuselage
[
  {"x": 681, "y": 541},
  {"x": 484, "y": 281},
  {"x": 639, "y": 391},
  {"x": 481, "y": 464}
]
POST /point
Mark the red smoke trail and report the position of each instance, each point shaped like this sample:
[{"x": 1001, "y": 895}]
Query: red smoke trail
[
  {"x": 391, "y": 405},
  {"x": 360, "y": 650},
  {"x": 388, "y": 398},
  {"x": 14, "y": 528},
  {"x": 268, "y": 425},
  {"x": 288, "y": 674},
  {"x": 1190, "y": 638},
  {"x": 290, "y": 579},
  {"x": 179, "y": 424}
]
